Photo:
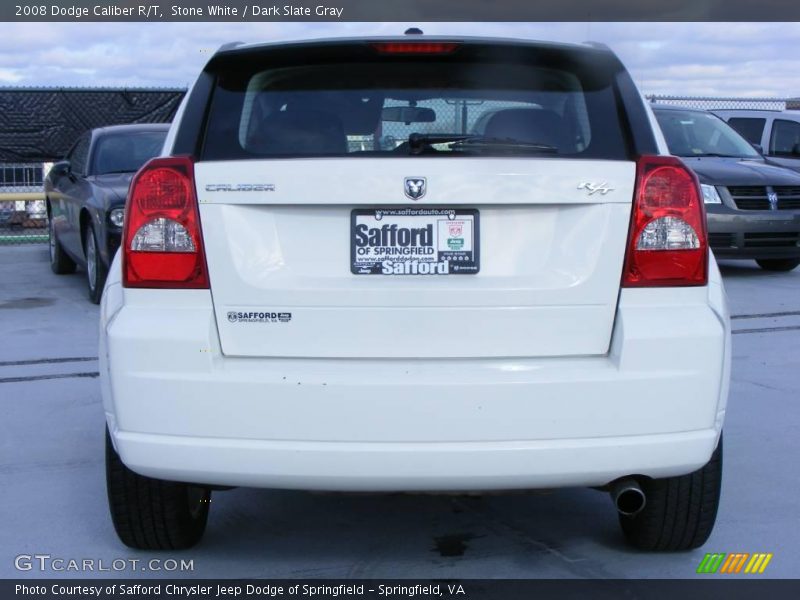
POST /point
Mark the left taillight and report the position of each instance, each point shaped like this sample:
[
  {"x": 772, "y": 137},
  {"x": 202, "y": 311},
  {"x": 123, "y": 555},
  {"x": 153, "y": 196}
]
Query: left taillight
[{"x": 162, "y": 242}]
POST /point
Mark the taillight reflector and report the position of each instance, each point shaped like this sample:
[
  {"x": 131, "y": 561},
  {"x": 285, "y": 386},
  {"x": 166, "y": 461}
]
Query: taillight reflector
[
  {"x": 667, "y": 241},
  {"x": 162, "y": 244}
]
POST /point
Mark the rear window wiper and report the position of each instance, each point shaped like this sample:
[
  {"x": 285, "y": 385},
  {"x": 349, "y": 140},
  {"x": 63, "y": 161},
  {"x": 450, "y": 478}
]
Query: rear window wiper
[
  {"x": 417, "y": 142},
  {"x": 480, "y": 143},
  {"x": 713, "y": 155}
]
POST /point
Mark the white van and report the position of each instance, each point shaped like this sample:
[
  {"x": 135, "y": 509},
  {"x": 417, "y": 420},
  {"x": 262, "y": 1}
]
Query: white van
[{"x": 776, "y": 133}]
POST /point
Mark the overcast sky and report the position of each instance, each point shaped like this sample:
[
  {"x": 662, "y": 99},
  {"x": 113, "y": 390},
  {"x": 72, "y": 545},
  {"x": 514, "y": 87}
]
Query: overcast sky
[{"x": 715, "y": 59}]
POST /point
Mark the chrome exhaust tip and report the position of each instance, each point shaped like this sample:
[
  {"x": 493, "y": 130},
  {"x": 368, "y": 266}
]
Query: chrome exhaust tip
[{"x": 628, "y": 497}]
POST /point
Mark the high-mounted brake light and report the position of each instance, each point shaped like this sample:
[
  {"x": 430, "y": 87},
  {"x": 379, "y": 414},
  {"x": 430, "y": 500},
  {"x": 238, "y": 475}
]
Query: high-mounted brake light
[
  {"x": 667, "y": 241},
  {"x": 415, "y": 47},
  {"x": 162, "y": 244}
]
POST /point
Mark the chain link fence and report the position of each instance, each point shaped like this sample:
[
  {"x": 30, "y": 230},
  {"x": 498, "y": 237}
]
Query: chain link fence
[
  {"x": 711, "y": 103},
  {"x": 41, "y": 124},
  {"x": 450, "y": 116},
  {"x": 460, "y": 116},
  {"x": 23, "y": 213}
]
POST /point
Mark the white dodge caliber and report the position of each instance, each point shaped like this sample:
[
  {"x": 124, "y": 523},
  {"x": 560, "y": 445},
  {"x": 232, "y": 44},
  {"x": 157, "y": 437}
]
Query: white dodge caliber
[{"x": 414, "y": 264}]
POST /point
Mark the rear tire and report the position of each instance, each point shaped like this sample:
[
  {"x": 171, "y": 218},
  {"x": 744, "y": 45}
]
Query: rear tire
[
  {"x": 96, "y": 270},
  {"x": 680, "y": 511},
  {"x": 60, "y": 262},
  {"x": 778, "y": 264},
  {"x": 153, "y": 514}
]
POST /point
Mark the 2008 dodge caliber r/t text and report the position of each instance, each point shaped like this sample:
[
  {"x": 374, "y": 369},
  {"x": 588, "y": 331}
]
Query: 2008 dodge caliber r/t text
[{"x": 414, "y": 264}]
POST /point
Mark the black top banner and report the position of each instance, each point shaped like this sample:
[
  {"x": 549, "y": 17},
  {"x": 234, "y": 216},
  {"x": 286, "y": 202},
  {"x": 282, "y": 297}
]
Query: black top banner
[{"x": 400, "y": 11}]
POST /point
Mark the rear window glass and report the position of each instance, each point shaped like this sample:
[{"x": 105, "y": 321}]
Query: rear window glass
[
  {"x": 375, "y": 109},
  {"x": 749, "y": 128},
  {"x": 126, "y": 152}
]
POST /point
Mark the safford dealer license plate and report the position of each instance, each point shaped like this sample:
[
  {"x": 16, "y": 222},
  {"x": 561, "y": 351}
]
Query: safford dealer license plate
[{"x": 414, "y": 241}]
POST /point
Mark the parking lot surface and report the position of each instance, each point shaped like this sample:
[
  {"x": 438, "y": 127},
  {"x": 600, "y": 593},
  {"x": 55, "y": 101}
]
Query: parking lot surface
[{"x": 51, "y": 469}]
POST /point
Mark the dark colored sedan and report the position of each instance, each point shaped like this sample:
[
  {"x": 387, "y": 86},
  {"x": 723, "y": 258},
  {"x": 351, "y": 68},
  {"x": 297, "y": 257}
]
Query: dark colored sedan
[
  {"x": 86, "y": 195},
  {"x": 753, "y": 207}
]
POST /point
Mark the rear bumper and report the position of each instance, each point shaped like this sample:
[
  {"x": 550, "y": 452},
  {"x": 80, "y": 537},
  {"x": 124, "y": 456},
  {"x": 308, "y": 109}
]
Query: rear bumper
[
  {"x": 414, "y": 466},
  {"x": 178, "y": 409}
]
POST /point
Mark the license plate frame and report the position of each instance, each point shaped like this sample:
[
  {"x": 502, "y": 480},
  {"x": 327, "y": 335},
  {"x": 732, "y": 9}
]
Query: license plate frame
[{"x": 424, "y": 241}]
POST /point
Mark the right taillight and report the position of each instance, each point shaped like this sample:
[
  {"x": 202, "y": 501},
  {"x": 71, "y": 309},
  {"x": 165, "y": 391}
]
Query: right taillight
[
  {"x": 667, "y": 241},
  {"x": 162, "y": 243}
]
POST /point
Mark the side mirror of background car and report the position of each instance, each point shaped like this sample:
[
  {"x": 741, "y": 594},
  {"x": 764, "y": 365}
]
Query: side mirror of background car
[{"x": 61, "y": 168}]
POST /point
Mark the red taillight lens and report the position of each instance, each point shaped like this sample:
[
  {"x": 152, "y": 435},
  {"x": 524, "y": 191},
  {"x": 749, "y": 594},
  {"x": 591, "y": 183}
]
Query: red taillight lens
[
  {"x": 667, "y": 241},
  {"x": 415, "y": 47},
  {"x": 162, "y": 245}
]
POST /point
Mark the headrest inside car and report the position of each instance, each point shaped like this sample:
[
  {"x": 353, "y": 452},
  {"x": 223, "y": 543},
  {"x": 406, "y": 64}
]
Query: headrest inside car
[
  {"x": 299, "y": 132},
  {"x": 535, "y": 125}
]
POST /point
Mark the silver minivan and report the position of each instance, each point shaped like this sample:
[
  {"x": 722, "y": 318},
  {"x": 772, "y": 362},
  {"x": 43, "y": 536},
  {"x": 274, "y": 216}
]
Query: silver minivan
[{"x": 777, "y": 133}]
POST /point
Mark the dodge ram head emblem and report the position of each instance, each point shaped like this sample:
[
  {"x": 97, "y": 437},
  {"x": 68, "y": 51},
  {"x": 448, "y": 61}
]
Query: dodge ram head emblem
[
  {"x": 773, "y": 200},
  {"x": 415, "y": 187}
]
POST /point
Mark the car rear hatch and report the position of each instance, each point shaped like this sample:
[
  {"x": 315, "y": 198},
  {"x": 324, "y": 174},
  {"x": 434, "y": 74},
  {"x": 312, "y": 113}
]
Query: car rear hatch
[{"x": 460, "y": 200}]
